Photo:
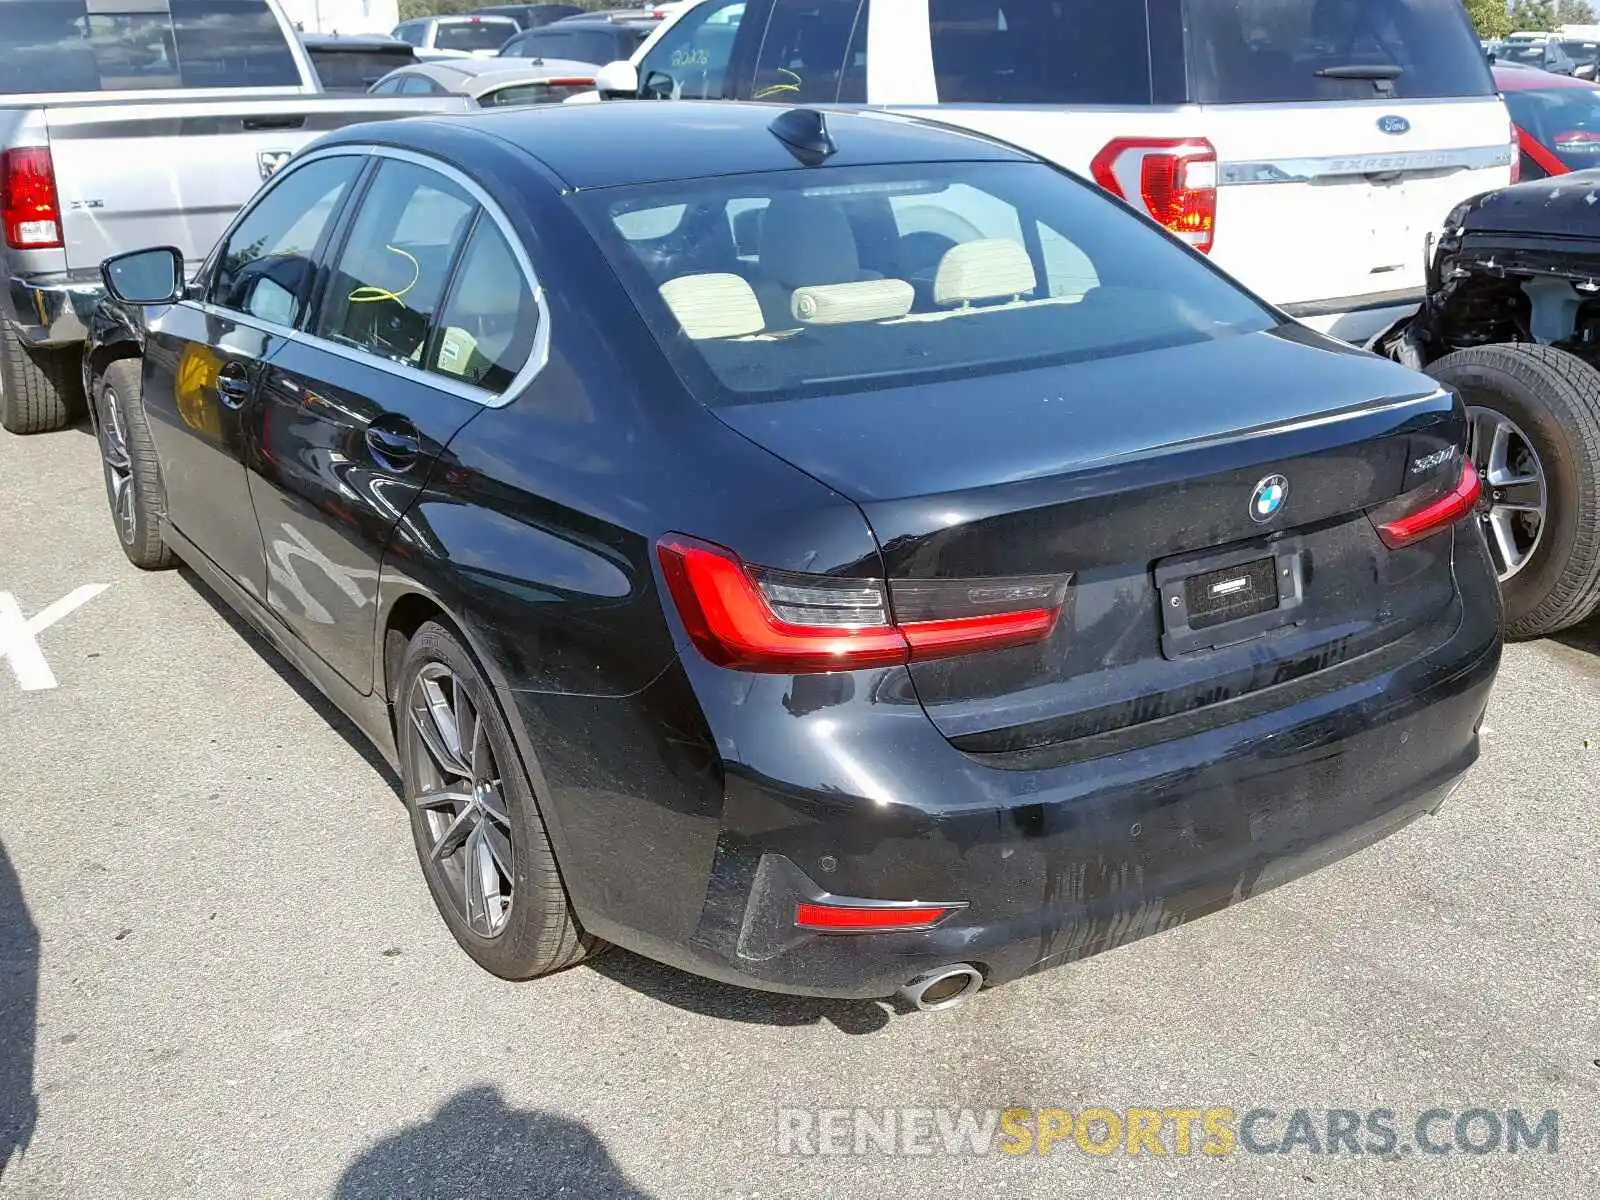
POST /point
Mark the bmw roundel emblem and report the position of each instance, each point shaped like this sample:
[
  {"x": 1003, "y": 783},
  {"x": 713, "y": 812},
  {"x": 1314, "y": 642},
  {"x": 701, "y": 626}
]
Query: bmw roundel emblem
[
  {"x": 1394, "y": 124},
  {"x": 1268, "y": 498}
]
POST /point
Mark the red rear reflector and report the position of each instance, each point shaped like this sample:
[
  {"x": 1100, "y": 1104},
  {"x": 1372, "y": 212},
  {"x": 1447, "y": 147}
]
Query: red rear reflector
[
  {"x": 1436, "y": 515},
  {"x": 840, "y": 918},
  {"x": 754, "y": 619},
  {"x": 31, "y": 213},
  {"x": 1173, "y": 179}
]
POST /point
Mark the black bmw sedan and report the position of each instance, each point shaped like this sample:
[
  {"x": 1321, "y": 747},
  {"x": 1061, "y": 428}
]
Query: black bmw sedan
[{"x": 840, "y": 556}]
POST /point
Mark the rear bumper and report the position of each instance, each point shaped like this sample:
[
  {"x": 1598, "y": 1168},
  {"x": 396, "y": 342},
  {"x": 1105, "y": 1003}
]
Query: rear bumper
[
  {"x": 52, "y": 310},
  {"x": 1059, "y": 864}
]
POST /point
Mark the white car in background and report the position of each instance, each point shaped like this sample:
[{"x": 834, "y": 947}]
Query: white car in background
[
  {"x": 464, "y": 36},
  {"x": 1312, "y": 149}
]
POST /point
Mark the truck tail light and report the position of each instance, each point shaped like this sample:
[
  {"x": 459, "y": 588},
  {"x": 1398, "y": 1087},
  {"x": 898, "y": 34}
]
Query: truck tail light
[
  {"x": 751, "y": 618},
  {"x": 28, "y": 202},
  {"x": 1173, "y": 179},
  {"x": 1425, "y": 512}
]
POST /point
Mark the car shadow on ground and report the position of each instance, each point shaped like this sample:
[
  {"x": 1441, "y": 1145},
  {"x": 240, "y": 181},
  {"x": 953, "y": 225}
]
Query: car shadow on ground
[
  {"x": 708, "y": 998},
  {"x": 19, "y": 998},
  {"x": 477, "y": 1146},
  {"x": 304, "y": 688},
  {"x": 1582, "y": 637}
]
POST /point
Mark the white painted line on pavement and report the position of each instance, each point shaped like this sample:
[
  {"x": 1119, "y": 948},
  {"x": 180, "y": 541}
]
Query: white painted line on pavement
[{"x": 19, "y": 642}]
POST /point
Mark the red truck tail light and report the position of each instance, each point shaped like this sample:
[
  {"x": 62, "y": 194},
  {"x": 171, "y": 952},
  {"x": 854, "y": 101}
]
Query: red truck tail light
[
  {"x": 1415, "y": 516},
  {"x": 1173, "y": 179},
  {"x": 752, "y": 618},
  {"x": 28, "y": 201}
]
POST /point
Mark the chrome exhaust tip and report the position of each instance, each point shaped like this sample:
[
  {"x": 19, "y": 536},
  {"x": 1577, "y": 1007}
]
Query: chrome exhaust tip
[{"x": 945, "y": 988}]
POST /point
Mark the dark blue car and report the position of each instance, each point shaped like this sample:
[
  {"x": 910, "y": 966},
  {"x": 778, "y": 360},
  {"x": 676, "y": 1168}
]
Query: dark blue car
[{"x": 836, "y": 556}]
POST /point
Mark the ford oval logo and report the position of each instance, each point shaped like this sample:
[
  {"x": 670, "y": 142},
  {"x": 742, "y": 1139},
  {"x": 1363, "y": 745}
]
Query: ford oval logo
[
  {"x": 1394, "y": 125},
  {"x": 1268, "y": 498}
]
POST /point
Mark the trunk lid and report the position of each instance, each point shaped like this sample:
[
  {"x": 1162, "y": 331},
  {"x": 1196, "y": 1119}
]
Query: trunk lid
[{"x": 1036, "y": 473}]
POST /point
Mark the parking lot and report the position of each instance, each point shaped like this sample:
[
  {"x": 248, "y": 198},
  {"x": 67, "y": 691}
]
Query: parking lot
[{"x": 222, "y": 974}]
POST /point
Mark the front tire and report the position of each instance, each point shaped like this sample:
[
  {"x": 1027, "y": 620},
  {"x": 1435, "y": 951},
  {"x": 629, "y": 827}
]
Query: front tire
[
  {"x": 40, "y": 388},
  {"x": 482, "y": 845},
  {"x": 1536, "y": 443},
  {"x": 132, "y": 472}
]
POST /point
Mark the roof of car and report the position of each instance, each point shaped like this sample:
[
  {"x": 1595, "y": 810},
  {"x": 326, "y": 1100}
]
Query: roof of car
[
  {"x": 609, "y": 145},
  {"x": 1513, "y": 77},
  {"x": 475, "y": 76}
]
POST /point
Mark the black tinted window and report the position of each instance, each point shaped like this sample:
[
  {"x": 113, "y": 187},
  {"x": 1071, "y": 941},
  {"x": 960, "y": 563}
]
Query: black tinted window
[
  {"x": 1565, "y": 121},
  {"x": 802, "y": 56},
  {"x": 347, "y": 70},
  {"x": 487, "y": 326},
  {"x": 580, "y": 45},
  {"x": 1040, "y": 51},
  {"x": 1245, "y": 51},
  {"x": 60, "y": 46},
  {"x": 266, "y": 267},
  {"x": 486, "y": 34},
  {"x": 391, "y": 272}
]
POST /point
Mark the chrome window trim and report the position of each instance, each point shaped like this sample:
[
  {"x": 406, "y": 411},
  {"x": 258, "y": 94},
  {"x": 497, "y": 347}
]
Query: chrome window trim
[
  {"x": 1334, "y": 166},
  {"x": 538, "y": 356}
]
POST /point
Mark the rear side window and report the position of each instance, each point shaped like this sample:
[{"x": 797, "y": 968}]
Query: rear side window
[
  {"x": 773, "y": 286},
  {"x": 1248, "y": 51},
  {"x": 355, "y": 70},
  {"x": 487, "y": 327},
  {"x": 1041, "y": 51},
  {"x": 81, "y": 46},
  {"x": 390, "y": 275}
]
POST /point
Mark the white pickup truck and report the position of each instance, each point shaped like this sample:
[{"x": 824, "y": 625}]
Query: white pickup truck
[{"x": 128, "y": 123}]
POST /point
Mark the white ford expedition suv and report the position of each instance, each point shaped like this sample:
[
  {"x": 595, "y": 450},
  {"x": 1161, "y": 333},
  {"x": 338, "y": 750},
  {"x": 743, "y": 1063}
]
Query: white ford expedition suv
[{"x": 1311, "y": 147}]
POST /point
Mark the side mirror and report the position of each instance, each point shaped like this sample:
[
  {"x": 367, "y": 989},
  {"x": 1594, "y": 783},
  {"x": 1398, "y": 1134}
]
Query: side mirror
[
  {"x": 617, "y": 81},
  {"x": 658, "y": 85},
  {"x": 145, "y": 276}
]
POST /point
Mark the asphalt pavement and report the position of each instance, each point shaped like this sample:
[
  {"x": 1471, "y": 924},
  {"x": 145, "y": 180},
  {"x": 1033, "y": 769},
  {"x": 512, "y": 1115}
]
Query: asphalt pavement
[{"x": 221, "y": 973}]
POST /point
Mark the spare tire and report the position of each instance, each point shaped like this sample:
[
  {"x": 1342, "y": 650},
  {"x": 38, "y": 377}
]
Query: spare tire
[{"x": 1536, "y": 443}]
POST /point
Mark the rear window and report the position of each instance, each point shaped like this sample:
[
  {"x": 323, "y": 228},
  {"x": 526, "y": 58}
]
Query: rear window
[
  {"x": 1040, "y": 51},
  {"x": 356, "y": 70},
  {"x": 488, "y": 34},
  {"x": 599, "y": 46},
  {"x": 62, "y": 46},
  {"x": 1245, "y": 51},
  {"x": 1564, "y": 120},
  {"x": 533, "y": 93},
  {"x": 776, "y": 285},
  {"x": 1582, "y": 52},
  {"x": 1529, "y": 55}
]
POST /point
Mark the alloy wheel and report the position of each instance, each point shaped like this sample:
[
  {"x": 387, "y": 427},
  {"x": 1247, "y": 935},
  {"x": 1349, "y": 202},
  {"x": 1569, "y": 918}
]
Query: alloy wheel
[
  {"x": 461, "y": 799},
  {"x": 1515, "y": 493},
  {"x": 118, "y": 465}
]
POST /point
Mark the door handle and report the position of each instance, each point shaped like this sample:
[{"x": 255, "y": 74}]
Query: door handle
[
  {"x": 395, "y": 443},
  {"x": 233, "y": 385}
]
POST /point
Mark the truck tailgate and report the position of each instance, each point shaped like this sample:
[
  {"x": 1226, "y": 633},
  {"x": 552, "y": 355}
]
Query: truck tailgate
[{"x": 139, "y": 174}]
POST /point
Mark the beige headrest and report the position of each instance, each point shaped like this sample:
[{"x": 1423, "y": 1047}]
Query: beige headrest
[
  {"x": 713, "y": 306},
  {"x": 985, "y": 270},
  {"x": 845, "y": 303}
]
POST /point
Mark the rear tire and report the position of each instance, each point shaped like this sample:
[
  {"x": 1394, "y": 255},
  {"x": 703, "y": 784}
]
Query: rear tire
[
  {"x": 1550, "y": 399},
  {"x": 132, "y": 472},
  {"x": 482, "y": 845},
  {"x": 40, "y": 389}
]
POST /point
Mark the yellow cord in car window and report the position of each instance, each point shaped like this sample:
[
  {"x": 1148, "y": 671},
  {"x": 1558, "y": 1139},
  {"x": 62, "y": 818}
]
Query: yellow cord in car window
[
  {"x": 779, "y": 89},
  {"x": 371, "y": 293}
]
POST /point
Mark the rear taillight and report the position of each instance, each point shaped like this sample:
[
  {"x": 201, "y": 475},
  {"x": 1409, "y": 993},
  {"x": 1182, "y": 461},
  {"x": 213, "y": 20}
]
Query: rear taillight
[
  {"x": 28, "y": 199},
  {"x": 1517, "y": 147},
  {"x": 1425, "y": 512},
  {"x": 754, "y": 619},
  {"x": 870, "y": 917},
  {"x": 1172, "y": 179}
]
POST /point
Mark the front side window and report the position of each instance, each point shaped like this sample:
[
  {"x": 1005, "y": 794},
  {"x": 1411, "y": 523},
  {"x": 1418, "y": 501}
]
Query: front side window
[
  {"x": 1041, "y": 51},
  {"x": 266, "y": 267},
  {"x": 690, "y": 62},
  {"x": 803, "y": 52},
  {"x": 390, "y": 275},
  {"x": 488, "y": 324},
  {"x": 778, "y": 285},
  {"x": 474, "y": 35},
  {"x": 99, "y": 46},
  {"x": 1249, "y": 51}
]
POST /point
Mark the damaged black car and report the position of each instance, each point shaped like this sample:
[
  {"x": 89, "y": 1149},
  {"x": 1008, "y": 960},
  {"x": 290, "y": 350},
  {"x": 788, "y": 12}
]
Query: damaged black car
[{"x": 1512, "y": 323}]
